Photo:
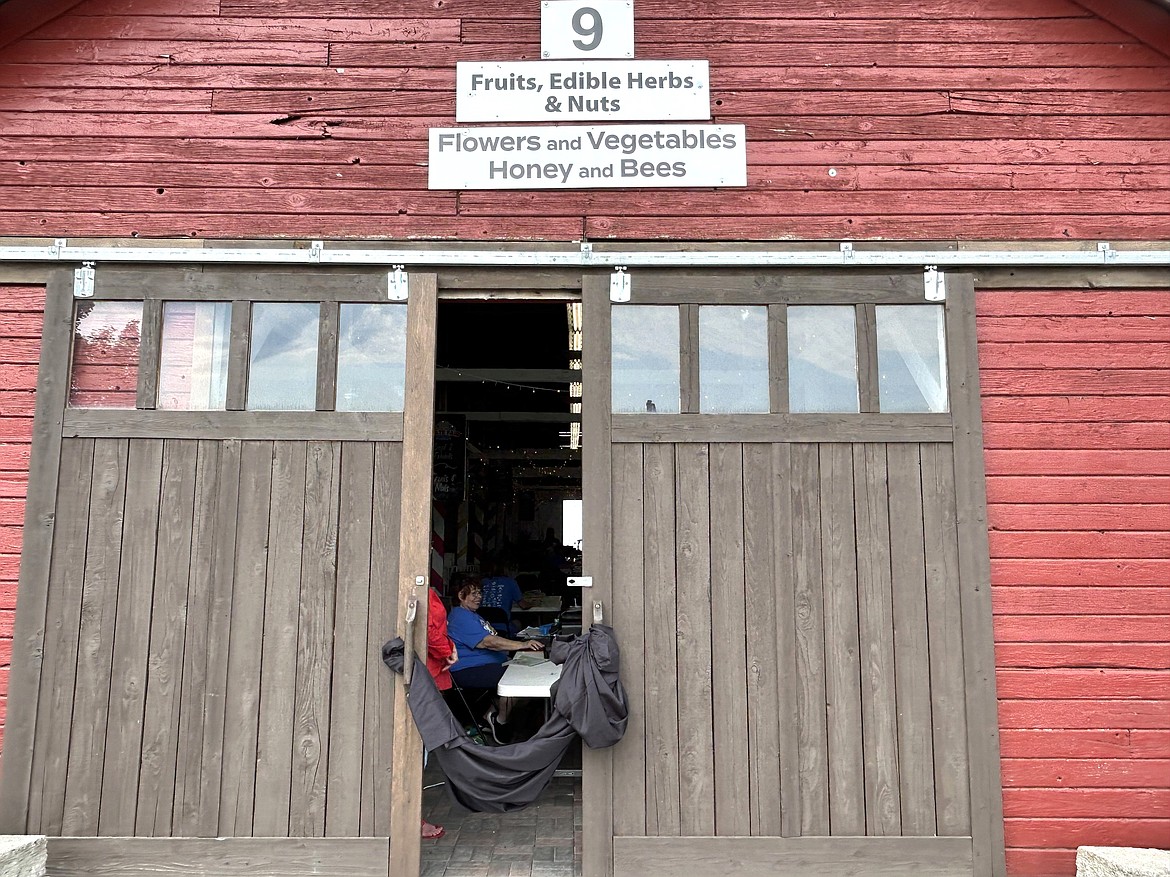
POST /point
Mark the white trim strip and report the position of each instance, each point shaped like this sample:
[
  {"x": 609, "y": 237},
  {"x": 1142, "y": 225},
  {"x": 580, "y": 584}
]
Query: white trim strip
[{"x": 844, "y": 257}]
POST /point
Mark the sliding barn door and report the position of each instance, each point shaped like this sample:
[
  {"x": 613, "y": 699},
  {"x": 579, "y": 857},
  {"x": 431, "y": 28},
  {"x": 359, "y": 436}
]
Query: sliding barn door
[
  {"x": 213, "y": 560},
  {"x": 784, "y": 477}
]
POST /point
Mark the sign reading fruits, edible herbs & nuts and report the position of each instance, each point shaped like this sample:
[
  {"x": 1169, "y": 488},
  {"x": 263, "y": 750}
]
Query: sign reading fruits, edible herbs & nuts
[{"x": 587, "y": 77}]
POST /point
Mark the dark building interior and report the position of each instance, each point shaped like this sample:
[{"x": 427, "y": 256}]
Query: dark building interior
[{"x": 506, "y": 369}]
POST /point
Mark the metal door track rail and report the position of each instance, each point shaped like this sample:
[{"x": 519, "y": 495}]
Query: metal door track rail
[{"x": 586, "y": 257}]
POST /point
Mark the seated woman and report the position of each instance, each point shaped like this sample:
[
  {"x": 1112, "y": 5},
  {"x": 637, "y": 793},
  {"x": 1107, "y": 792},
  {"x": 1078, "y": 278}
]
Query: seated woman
[
  {"x": 501, "y": 591},
  {"x": 482, "y": 651}
]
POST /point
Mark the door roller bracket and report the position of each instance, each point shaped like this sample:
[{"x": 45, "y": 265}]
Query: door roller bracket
[
  {"x": 398, "y": 282},
  {"x": 83, "y": 280},
  {"x": 619, "y": 285},
  {"x": 934, "y": 283}
]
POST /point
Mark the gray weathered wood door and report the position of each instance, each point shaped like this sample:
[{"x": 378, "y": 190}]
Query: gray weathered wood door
[
  {"x": 204, "y": 593},
  {"x": 800, "y": 591}
]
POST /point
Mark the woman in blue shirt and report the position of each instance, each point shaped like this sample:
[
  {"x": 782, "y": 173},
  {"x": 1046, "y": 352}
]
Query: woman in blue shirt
[{"x": 482, "y": 651}]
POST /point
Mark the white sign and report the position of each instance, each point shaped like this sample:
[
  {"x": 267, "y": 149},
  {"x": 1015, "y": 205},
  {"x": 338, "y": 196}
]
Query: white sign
[
  {"x": 564, "y": 91},
  {"x": 587, "y": 29},
  {"x": 588, "y": 157}
]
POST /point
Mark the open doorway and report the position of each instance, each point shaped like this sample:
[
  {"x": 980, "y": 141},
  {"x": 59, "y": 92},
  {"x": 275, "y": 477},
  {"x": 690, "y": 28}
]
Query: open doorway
[{"x": 507, "y": 493}]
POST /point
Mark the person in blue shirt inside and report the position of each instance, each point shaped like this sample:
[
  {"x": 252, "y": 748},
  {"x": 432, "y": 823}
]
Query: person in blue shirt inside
[
  {"x": 501, "y": 591},
  {"x": 482, "y": 650}
]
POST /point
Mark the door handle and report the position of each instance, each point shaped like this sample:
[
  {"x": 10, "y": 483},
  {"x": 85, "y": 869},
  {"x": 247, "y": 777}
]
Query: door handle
[
  {"x": 408, "y": 651},
  {"x": 408, "y": 632},
  {"x": 598, "y": 612}
]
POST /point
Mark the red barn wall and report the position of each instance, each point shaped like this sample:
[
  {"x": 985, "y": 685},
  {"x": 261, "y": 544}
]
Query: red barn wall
[
  {"x": 1076, "y": 410},
  {"x": 20, "y": 341},
  {"x": 953, "y": 119},
  {"x": 975, "y": 119}
]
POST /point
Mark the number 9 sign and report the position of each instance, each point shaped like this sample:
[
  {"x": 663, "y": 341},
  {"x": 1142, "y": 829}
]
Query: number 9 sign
[{"x": 586, "y": 29}]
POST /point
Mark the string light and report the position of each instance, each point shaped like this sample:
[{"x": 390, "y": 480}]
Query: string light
[{"x": 510, "y": 384}]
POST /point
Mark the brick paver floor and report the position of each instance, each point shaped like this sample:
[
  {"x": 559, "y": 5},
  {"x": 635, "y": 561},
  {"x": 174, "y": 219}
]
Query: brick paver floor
[{"x": 543, "y": 840}]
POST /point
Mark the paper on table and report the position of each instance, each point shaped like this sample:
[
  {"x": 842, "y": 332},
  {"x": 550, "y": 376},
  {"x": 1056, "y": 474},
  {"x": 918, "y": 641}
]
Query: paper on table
[{"x": 528, "y": 659}]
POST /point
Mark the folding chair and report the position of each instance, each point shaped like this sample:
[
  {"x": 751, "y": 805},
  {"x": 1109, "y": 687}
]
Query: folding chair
[{"x": 470, "y": 716}]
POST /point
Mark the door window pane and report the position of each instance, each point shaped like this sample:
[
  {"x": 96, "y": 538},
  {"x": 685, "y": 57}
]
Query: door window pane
[
  {"x": 912, "y": 364},
  {"x": 733, "y": 359},
  {"x": 193, "y": 356},
  {"x": 822, "y": 359},
  {"x": 105, "y": 354},
  {"x": 282, "y": 372},
  {"x": 371, "y": 357},
  {"x": 645, "y": 359}
]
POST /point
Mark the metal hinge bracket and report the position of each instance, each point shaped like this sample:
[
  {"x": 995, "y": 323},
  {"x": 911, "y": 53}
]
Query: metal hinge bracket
[
  {"x": 83, "y": 280},
  {"x": 1108, "y": 254},
  {"x": 619, "y": 285},
  {"x": 935, "y": 284},
  {"x": 398, "y": 283}
]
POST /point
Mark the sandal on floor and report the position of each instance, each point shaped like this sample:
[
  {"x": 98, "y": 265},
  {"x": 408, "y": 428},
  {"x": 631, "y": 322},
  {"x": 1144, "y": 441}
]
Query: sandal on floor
[{"x": 432, "y": 832}]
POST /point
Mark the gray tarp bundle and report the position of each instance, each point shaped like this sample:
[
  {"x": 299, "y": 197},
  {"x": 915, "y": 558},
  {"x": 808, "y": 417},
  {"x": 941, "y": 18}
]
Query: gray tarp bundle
[{"x": 588, "y": 701}]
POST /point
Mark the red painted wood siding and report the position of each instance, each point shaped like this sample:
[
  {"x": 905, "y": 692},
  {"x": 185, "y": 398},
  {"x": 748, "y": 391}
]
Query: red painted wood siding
[
  {"x": 965, "y": 119},
  {"x": 1076, "y": 409},
  {"x": 994, "y": 119},
  {"x": 20, "y": 341}
]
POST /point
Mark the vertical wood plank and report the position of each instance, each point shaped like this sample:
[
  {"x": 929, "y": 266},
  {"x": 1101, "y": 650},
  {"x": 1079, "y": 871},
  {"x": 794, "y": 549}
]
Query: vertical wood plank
[
  {"x": 245, "y": 644},
  {"x": 55, "y": 704},
  {"x": 778, "y": 358},
  {"x": 149, "y": 342},
  {"x": 128, "y": 676},
  {"x": 662, "y": 685},
  {"x": 598, "y": 816},
  {"x": 380, "y": 739},
  {"x": 28, "y": 642},
  {"x": 156, "y": 779},
  {"x": 629, "y": 759},
  {"x": 729, "y": 635},
  {"x": 975, "y": 580},
  {"x": 952, "y": 791},
  {"x": 238, "y": 340},
  {"x": 414, "y": 553},
  {"x": 883, "y": 809},
  {"x": 911, "y": 647},
  {"x": 315, "y": 637},
  {"x": 787, "y": 682},
  {"x": 351, "y": 642},
  {"x": 219, "y": 683},
  {"x": 197, "y": 646},
  {"x": 696, "y": 741},
  {"x": 764, "y": 585},
  {"x": 843, "y": 670},
  {"x": 328, "y": 329},
  {"x": 688, "y": 316},
  {"x": 278, "y": 667},
  {"x": 867, "y": 358},
  {"x": 95, "y": 648},
  {"x": 809, "y": 620}
]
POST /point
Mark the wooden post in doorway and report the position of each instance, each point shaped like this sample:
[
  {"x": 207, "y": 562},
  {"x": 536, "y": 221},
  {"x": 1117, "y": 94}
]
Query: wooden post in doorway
[{"x": 418, "y": 424}]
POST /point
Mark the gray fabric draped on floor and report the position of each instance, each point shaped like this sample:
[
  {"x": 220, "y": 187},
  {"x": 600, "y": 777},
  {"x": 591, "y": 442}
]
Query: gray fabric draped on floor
[{"x": 588, "y": 701}]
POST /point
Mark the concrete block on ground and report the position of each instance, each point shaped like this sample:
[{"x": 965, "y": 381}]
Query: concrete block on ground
[
  {"x": 1122, "y": 862},
  {"x": 22, "y": 855}
]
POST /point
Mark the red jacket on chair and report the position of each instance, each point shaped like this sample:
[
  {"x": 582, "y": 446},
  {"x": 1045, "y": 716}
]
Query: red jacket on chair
[{"x": 439, "y": 645}]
